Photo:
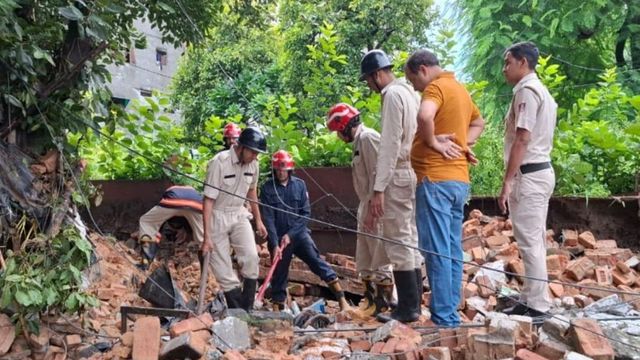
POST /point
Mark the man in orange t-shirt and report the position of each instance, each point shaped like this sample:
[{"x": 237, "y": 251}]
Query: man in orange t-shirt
[{"x": 448, "y": 123}]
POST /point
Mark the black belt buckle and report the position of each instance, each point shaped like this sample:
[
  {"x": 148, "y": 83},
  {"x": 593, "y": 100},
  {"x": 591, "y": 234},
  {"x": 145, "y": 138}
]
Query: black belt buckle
[{"x": 529, "y": 168}]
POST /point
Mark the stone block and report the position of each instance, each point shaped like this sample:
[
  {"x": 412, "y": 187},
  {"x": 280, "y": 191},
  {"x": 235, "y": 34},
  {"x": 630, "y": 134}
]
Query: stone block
[
  {"x": 589, "y": 339},
  {"x": 146, "y": 338},
  {"x": 183, "y": 347}
]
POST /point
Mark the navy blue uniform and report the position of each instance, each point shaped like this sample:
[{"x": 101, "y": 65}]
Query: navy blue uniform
[{"x": 294, "y": 198}]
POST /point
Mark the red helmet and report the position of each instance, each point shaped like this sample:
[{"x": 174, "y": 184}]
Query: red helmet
[
  {"x": 231, "y": 130},
  {"x": 281, "y": 160},
  {"x": 340, "y": 115}
]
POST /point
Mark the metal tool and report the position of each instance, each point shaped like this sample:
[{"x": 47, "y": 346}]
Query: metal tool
[
  {"x": 204, "y": 277},
  {"x": 267, "y": 279}
]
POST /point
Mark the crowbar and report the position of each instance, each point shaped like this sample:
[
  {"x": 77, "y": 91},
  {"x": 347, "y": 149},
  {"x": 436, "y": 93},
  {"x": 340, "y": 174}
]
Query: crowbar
[
  {"x": 267, "y": 279},
  {"x": 204, "y": 277}
]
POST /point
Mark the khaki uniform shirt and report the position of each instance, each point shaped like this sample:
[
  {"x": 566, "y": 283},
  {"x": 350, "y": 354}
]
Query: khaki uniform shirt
[
  {"x": 363, "y": 163},
  {"x": 534, "y": 109},
  {"x": 400, "y": 104},
  {"x": 225, "y": 172}
]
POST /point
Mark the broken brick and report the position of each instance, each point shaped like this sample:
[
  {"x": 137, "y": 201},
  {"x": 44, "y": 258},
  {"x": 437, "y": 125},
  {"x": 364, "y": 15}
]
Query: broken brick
[
  {"x": 479, "y": 254},
  {"x": 390, "y": 346},
  {"x": 516, "y": 266},
  {"x": 436, "y": 353},
  {"x": 497, "y": 241},
  {"x": 146, "y": 338},
  {"x": 557, "y": 290},
  {"x": 448, "y": 338},
  {"x": 73, "y": 340},
  {"x": 406, "y": 350},
  {"x": 623, "y": 267},
  {"x": 360, "y": 345},
  {"x": 485, "y": 287},
  {"x": 623, "y": 279},
  {"x": 603, "y": 275},
  {"x": 570, "y": 237},
  {"x": 580, "y": 268},
  {"x": 590, "y": 340},
  {"x": 471, "y": 289},
  {"x": 587, "y": 240},
  {"x": 524, "y": 354},
  {"x": 233, "y": 355},
  {"x": 557, "y": 262},
  {"x": 201, "y": 322},
  {"x": 377, "y": 347},
  {"x": 606, "y": 244}
]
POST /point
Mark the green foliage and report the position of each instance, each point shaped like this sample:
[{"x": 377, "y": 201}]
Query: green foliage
[
  {"x": 47, "y": 275},
  {"x": 54, "y": 56}
]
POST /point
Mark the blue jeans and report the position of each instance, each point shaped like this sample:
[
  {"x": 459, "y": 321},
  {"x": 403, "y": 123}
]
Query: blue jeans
[
  {"x": 305, "y": 249},
  {"x": 439, "y": 216}
]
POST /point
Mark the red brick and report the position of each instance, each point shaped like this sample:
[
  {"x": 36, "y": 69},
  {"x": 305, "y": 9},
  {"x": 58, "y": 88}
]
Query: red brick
[
  {"x": 490, "y": 228},
  {"x": 390, "y": 346},
  {"x": 497, "y": 241},
  {"x": 360, "y": 345},
  {"x": 485, "y": 288},
  {"x": 405, "y": 350},
  {"x": 623, "y": 279},
  {"x": 146, "y": 339},
  {"x": 589, "y": 339},
  {"x": 448, "y": 338},
  {"x": 608, "y": 256},
  {"x": 479, "y": 254},
  {"x": 623, "y": 267},
  {"x": 516, "y": 266},
  {"x": 606, "y": 244},
  {"x": 557, "y": 262},
  {"x": 7, "y": 334},
  {"x": 437, "y": 353},
  {"x": 570, "y": 237},
  {"x": 73, "y": 340},
  {"x": 471, "y": 289},
  {"x": 201, "y": 322},
  {"x": 580, "y": 268},
  {"x": 557, "y": 290},
  {"x": 603, "y": 275},
  {"x": 587, "y": 240},
  {"x": 524, "y": 354},
  {"x": 475, "y": 214},
  {"x": 233, "y": 355},
  {"x": 377, "y": 347},
  {"x": 471, "y": 242}
]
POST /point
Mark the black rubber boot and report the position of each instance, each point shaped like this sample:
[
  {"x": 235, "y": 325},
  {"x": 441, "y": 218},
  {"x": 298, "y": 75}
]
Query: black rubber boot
[
  {"x": 248, "y": 293},
  {"x": 407, "y": 309},
  {"x": 384, "y": 298},
  {"x": 233, "y": 298},
  {"x": 419, "y": 288}
]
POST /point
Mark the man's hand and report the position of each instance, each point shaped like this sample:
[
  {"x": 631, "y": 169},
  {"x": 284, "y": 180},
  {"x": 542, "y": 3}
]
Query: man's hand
[
  {"x": 207, "y": 245},
  {"x": 504, "y": 196},
  {"x": 285, "y": 241},
  {"x": 376, "y": 205},
  {"x": 261, "y": 230},
  {"x": 471, "y": 157},
  {"x": 447, "y": 148},
  {"x": 370, "y": 223}
]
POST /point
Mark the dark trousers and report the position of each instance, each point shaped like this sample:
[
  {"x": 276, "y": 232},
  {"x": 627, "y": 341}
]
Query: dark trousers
[{"x": 305, "y": 249}]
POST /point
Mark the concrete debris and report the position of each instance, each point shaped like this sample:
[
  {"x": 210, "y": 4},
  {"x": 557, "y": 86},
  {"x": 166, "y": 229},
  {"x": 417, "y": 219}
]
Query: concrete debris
[
  {"x": 7, "y": 334},
  {"x": 231, "y": 333}
]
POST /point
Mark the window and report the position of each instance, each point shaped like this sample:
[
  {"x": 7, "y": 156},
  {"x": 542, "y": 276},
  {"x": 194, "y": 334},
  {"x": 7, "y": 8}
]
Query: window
[{"x": 161, "y": 57}]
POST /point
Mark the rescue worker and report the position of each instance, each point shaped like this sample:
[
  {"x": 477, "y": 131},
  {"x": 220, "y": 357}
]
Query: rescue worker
[
  {"x": 393, "y": 200},
  {"x": 230, "y": 135},
  {"x": 226, "y": 219},
  {"x": 529, "y": 178},
  {"x": 371, "y": 258},
  {"x": 177, "y": 200},
  {"x": 288, "y": 234}
]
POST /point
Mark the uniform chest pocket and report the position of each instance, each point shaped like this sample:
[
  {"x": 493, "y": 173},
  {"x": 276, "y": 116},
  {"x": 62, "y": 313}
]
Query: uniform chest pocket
[
  {"x": 248, "y": 177},
  {"x": 228, "y": 180}
]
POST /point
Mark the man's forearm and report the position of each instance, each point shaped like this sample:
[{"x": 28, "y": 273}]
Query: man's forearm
[
  {"x": 207, "y": 210},
  {"x": 255, "y": 209},
  {"x": 475, "y": 130}
]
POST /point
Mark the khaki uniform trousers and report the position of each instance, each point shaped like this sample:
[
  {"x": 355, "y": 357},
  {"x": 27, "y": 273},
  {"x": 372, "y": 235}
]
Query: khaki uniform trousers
[
  {"x": 151, "y": 221},
  {"x": 371, "y": 258},
  {"x": 398, "y": 222},
  {"x": 528, "y": 205},
  {"x": 231, "y": 229}
]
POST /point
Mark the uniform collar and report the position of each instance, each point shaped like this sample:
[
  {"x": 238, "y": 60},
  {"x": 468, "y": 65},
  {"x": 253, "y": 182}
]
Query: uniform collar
[
  {"x": 524, "y": 80},
  {"x": 396, "y": 81},
  {"x": 234, "y": 156}
]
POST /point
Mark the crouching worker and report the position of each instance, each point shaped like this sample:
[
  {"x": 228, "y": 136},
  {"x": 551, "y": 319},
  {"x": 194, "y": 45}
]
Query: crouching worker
[
  {"x": 288, "y": 233},
  {"x": 176, "y": 201}
]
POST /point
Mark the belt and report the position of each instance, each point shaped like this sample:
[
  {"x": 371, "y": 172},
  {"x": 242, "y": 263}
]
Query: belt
[
  {"x": 403, "y": 165},
  {"x": 529, "y": 168}
]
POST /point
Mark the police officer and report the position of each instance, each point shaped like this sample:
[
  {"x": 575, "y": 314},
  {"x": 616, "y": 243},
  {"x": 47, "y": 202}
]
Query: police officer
[
  {"x": 230, "y": 135},
  {"x": 371, "y": 257},
  {"x": 289, "y": 232},
  {"x": 393, "y": 200},
  {"x": 177, "y": 200},
  {"x": 529, "y": 178},
  {"x": 226, "y": 220}
]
